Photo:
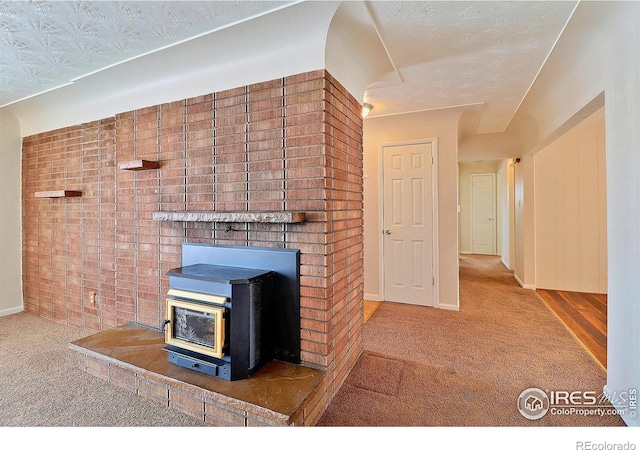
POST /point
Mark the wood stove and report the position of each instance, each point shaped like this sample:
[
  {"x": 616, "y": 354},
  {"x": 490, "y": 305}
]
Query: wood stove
[{"x": 228, "y": 320}]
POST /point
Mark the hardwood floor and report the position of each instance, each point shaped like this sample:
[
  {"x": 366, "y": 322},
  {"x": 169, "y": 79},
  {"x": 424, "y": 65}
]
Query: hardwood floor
[
  {"x": 585, "y": 315},
  {"x": 369, "y": 308}
]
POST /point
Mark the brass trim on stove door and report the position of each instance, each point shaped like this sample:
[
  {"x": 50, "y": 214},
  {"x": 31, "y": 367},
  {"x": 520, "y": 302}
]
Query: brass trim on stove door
[
  {"x": 190, "y": 295},
  {"x": 218, "y": 317}
]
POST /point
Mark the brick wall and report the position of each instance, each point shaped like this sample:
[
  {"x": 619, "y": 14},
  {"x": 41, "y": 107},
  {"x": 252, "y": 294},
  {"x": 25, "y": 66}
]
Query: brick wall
[{"x": 290, "y": 144}]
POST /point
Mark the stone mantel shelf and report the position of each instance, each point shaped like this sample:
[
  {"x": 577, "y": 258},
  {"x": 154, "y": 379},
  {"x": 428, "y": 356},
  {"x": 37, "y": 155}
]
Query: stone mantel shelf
[{"x": 230, "y": 217}]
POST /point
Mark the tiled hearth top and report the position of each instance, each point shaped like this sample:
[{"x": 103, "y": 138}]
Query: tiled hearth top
[
  {"x": 233, "y": 217},
  {"x": 278, "y": 388}
]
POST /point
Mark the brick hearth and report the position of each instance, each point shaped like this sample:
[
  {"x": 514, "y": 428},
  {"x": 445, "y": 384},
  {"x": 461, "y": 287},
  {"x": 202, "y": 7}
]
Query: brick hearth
[
  {"x": 132, "y": 357},
  {"x": 288, "y": 145}
]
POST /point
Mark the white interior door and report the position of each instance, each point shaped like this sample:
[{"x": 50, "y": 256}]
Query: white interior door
[
  {"x": 408, "y": 224},
  {"x": 483, "y": 207}
]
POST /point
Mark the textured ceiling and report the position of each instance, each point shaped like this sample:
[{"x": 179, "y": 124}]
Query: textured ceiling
[
  {"x": 464, "y": 53},
  {"x": 47, "y": 44},
  {"x": 442, "y": 54}
]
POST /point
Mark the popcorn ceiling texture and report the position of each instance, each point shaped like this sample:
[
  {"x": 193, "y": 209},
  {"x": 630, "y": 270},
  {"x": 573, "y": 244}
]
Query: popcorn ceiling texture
[
  {"x": 55, "y": 42},
  {"x": 443, "y": 54},
  {"x": 463, "y": 53},
  {"x": 291, "y": 144}
]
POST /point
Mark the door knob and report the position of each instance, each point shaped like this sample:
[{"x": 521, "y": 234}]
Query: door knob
[{"x": 387, "y": 232}]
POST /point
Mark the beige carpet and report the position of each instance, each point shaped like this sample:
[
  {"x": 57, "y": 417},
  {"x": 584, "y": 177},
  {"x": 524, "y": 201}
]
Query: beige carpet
[
  {"x": 431, "y": 367},
  {"x": 41, "y": 386},
  {"x": 421, "y": 367}
]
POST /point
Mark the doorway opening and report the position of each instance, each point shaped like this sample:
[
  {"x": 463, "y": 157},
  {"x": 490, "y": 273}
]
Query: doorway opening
[
  {"x": 571, "y": 261},
  {"x": 480, "y": 189},
  {"x": 483, "y": 213}
]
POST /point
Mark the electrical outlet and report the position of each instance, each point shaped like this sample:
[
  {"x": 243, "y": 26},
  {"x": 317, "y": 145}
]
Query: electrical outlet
[{"x": 92, "y": 298}]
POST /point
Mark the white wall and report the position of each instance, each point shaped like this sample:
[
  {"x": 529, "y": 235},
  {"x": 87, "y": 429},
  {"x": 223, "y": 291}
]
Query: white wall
[
  {"x": 570, "y": 209},
  {"x": 596, "y": 59},
  {"x": 443, "y": 126},
  {"x": 524, "y": 223},
  {"x": 354, "y": 54},
  {"x": 10, "y": 225},
  {"x": 505, "y": 212}
]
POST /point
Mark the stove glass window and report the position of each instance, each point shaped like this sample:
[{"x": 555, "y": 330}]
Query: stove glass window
[{"x": 194, "y": 326}]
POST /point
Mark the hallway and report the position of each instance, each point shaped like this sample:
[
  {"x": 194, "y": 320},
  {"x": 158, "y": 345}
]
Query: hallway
[{"x": 423, "y": 366}]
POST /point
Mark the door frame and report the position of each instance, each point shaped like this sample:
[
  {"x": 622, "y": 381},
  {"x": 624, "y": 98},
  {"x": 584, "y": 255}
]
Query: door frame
[
  {"x": 434, "y": 204},
  {"x": 493, "y": 212}
]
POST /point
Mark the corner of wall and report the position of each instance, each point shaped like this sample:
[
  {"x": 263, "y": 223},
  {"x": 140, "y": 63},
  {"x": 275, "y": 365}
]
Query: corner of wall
[
  {"x": 354, "y": 53},
  {"x": 11, "y": 224}
]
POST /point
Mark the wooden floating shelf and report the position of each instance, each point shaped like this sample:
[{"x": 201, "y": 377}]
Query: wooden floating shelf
[
  {"x": 139, "y": 164},
  {"x": 232, "y": 217},
  {"x": 58, "y": 194}
]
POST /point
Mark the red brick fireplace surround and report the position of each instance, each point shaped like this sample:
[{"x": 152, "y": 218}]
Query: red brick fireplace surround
[{"x": 292, "y": 144}]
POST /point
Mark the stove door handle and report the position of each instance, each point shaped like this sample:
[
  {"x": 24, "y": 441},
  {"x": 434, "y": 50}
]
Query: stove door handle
[{"x": 164, "y": 324}]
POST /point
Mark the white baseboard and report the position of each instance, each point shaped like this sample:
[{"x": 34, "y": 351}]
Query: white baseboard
[
  {"x": 462, "y": 252},
  {"x": 376, "y": 298},
  {"x": 525, "y": 286},
  {"x": 9, "y": 311},
  {"x": 631, "y": 422},
  {"x": 449, "y": 307}
]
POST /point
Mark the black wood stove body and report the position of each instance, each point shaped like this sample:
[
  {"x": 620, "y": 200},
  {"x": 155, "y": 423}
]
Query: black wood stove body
[{"x": 231, "y": 309}]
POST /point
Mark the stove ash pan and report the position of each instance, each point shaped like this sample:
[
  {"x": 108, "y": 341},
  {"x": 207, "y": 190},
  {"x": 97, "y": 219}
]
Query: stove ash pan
[{"x": 219, "y": 319}]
